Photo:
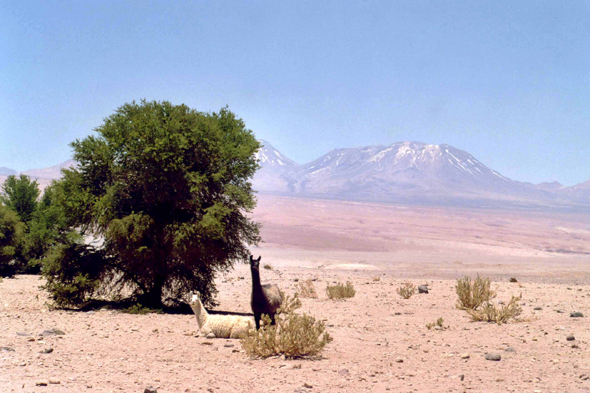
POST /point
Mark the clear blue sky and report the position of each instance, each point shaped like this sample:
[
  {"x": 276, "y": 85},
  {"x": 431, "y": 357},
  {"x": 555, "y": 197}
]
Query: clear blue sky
[{"x": 507, "y": 81}]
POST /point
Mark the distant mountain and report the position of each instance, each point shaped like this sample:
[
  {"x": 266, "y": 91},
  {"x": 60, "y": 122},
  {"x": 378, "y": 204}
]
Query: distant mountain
[
  {"x": 410, "y": 172},
  {"x": 7, "y": 171},
  {"x": 43, "y": 176},
  {"x": 277, "y": 171},
  {"x": 53, "y": 172}
]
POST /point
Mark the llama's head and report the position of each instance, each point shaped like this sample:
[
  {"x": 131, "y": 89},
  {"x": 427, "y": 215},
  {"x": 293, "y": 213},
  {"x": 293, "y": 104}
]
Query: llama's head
[
  {"x": 196, "y": 297},
  {"x": 255, "y": 263}
]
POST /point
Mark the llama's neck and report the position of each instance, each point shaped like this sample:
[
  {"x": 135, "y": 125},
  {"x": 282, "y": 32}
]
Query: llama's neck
[
  {"x": 256, "y": 286},
  {"x": 200, "y": 313}
]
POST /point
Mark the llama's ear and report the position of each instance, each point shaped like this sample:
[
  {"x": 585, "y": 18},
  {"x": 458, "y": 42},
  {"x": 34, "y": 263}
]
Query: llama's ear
[
  {"x": 251, "y": 258},
  {"x": 259, "y": 258}
]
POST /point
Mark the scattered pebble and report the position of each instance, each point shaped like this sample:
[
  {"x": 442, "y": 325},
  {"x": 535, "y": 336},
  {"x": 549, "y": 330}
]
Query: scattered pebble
[
  {"x": 54, "y": 381},
  {"x": 47, "y": 350},
  {"x": 510, "y": 349},
  {"x": 423, "y": 289},
  {"x": 150, "y": 389},
  {"x": 570, "y": 338},
  {"x": 465, "y": 355},
  {"x": 41, "y": 383},
  {"x": 493, "y": 356},
  {"x": 576, "y": 314},
  {"x": 52, "y": 332}
]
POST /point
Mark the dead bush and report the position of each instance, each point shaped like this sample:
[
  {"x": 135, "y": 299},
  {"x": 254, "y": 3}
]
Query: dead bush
[
  {"x": 340, "y": 291},
  {"x": 306, "y": 289},
  {"x": 406, "y": 290},
  {"x": 293, "y": 335},
  {"x": 472, "y": 294},
  {"x": 491, "y": 313}
]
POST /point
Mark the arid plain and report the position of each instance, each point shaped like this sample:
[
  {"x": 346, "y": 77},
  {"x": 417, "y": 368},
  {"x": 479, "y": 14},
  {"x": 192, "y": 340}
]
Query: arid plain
[{"x": 381, "y": 342}]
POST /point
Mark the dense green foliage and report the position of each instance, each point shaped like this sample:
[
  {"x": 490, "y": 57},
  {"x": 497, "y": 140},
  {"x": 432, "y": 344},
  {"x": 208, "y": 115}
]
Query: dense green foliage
[
  {"x": 11, "y": 237},
  {"x": 165, "y": 189},
  {"x": 47, "y": 228},
  {"x": 21, "y": 196}
]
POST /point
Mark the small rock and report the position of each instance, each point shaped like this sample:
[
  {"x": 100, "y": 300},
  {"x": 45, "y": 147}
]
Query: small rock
[
  {"x": 501, "y": 302},
  {"x": 461, "y": 377},
  {"x": 23, "y": 334},
  {"x": 559, "y": 311},
  {"x": 423, "y": 289},
  {"x": 576, "y": 314},
  {"x": 537, "y": 308},
  {"x": 54, "y": 381},
  {"x": 570, "y": 338},
  {"x": 465, "y": 355},
  {"x": 343, "y": 372},
  {"x": 493, "y": 356},
  {"x": 41, "y": 383},
  {"x": 150, "y": 389},
  {"x": 228, "y": 345},
  {"x": 52, "y": 332},
  {"x": 575, "y": 346},
  {"x": 307, "y": 385},
  {"x": 510, "y": 349},
  {"x": 7, "y": 349},
  {"x": 47, "y": 350},
  {"x": 210, "y": 335},
  {"x": 399, "y": 360}
]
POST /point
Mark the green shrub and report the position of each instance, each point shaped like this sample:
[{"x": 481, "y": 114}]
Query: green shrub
[
  {"x": 11, "y": 240},
  {"x": 340, "y": 291},
  {"x": 406, "y": 290},
  {"x": 293, "y": 335},
  {"x": 473, "y": 294},
  {"x": 74, "y": 272}
]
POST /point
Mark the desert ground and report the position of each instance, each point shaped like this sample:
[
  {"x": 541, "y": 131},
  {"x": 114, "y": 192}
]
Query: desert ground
[{"x": 380, "y": 341}]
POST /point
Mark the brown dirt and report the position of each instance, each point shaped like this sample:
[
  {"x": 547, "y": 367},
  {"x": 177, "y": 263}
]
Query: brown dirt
[{"x": 377, "y": 248}]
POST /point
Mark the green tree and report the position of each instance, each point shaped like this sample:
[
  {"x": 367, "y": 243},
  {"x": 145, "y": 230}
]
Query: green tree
[
  {"x": 47, "y": 228},
  {"x": 11, "y": 237},
  {"x": 165, "y": 192},
  {"x": 21, "y": 196}
]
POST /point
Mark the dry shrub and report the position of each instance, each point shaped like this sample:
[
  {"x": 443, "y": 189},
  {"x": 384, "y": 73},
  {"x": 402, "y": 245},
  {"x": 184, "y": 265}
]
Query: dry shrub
[
  {"x": 473, "y": 294},
  {"x": 491, "y": 313},
  {"x": 340, "y": 291},
  {"x": 306, "y": 289},
  {"x": 406, "y": 290},
  {"x": 293, "y": 335},
  {"x": 376, "y": 278},
  {"x": 439, "y": 323}
]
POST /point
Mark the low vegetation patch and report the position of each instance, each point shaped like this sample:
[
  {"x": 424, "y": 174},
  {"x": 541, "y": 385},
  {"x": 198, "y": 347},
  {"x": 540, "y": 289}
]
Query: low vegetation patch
[
  {"x": 439, "y": 322},
  {"x": 267, "y": 266},
  {"x": 306, "y": 289},
  {"x": 406, "y": 290},
  {"x": 492, "y": 313},
  {"x": 293, "y": 335},
  {"x": 340, "y": 291},
  {"x": 473, "y": 293}
]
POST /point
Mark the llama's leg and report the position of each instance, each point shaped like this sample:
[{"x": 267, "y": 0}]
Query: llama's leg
[
  {"x": 257, "y": 320},
  {"x": 272, "y": 319}
]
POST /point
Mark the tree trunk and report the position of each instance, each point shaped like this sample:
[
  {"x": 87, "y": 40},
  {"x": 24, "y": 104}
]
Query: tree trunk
[{"x": 153, "y": 298}]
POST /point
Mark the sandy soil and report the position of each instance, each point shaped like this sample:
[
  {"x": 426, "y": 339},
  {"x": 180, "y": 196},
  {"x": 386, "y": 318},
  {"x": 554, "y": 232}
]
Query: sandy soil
[{"x": 381, "y": 342}]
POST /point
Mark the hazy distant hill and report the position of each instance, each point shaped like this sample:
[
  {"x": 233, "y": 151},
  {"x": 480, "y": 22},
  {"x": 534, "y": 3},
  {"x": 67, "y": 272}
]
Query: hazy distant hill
[{"x": 7, "y": 171}]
